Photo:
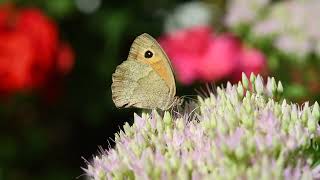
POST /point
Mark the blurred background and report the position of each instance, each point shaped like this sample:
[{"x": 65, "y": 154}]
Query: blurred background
[{"x": 57, "y": 58}]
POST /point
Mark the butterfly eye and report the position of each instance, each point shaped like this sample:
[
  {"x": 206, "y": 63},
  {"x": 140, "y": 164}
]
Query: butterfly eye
[{"x": 148, "y": 54}]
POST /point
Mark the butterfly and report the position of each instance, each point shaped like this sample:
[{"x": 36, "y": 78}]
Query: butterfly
[{"x": 145, "y": 80}]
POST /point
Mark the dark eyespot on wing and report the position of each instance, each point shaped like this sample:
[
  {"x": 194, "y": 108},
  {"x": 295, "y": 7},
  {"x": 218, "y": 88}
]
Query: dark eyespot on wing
[{"x": 148, "y": 54}]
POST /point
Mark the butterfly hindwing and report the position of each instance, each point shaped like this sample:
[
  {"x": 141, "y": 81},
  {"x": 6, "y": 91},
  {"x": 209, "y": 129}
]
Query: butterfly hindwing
[{"x": 138, "y": 85}]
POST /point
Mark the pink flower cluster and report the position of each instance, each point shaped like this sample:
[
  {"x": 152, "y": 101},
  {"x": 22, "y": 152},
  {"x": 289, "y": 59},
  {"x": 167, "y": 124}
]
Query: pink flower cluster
[{"x": 198, "y": 54}]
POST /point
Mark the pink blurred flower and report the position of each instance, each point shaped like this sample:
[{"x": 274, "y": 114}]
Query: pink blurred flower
[
  {"x": 185, "y": 48},
  {"x": 188, "y": 41},
  {"x": 185, "y": 67},
  {"x": 197, "y": 54},
  {"x": 220, "y": 59}
]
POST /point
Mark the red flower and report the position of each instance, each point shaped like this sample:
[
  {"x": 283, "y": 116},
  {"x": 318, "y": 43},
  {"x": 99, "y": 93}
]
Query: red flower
[
  {"x": 16, "y": 60},
  {"x": 43, "y": 34},
  {"x": 198, "y": 55},
  {"x": 30, "y": 50}
]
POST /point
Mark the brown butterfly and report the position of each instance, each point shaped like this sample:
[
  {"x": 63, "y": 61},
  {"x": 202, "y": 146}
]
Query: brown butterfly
[{"x": 145, "y": 79}]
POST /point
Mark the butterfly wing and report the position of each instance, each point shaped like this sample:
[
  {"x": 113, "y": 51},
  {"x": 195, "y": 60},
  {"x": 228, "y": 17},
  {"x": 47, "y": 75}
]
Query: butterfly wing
[
  {"x": 138, "y": 85},
  {"x": 144, "y": 81}
]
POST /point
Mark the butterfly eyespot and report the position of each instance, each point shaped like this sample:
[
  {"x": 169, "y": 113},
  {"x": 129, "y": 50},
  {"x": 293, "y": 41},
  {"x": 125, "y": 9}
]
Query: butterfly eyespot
[{"x": 148, "y": 54}]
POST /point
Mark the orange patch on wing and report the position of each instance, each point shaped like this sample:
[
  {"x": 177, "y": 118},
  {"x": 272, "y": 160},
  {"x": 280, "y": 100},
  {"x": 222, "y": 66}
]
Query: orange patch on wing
[{"x": 160, "y": 68}]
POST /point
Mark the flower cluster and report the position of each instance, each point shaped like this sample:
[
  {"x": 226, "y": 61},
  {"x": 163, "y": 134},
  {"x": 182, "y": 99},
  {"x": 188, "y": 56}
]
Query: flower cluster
[
  {"x": 290, "y": 24},
  {"x": 241, "y": 132},
  {"x": 30, "y": 50},
  {"x": 198, "y": 54}
]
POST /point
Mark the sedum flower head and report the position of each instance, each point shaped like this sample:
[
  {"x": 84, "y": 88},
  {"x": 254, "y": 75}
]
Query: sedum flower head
[{"x": 242, "y": 131}]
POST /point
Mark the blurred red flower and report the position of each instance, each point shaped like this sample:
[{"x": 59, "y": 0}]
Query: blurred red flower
[
  {"x": 16, "y": 59},
  {"x": 30, "y": 50},
  {"x": 198, "y": 54}
]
